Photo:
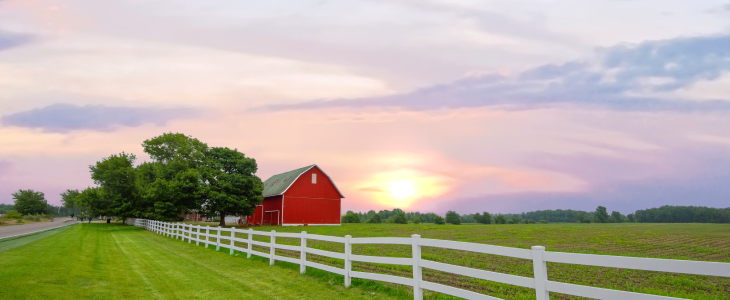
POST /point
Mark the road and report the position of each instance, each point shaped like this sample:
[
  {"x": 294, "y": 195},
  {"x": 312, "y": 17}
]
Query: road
[{"x": 7, "y": 231}]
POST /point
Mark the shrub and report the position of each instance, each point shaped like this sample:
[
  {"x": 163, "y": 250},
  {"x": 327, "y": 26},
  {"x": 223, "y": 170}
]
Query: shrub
[
  {"x": 453, "y": 218},
  {"x": 416, "y": 220},
  {"x": 32, "y": 218},
  {"x": 543, "y": 221},
  {"x": 376, "y": 219},
  {"x": 400, "y": 218},
  {"x": 350, "y": 217},
  {"x": 500, "y": 219},
  {"x": 439, "y": 220},
  {"x": 11, "y": 214}
]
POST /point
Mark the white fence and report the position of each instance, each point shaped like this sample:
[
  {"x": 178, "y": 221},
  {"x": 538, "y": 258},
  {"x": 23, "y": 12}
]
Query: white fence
[{"x": 538, "y": 255}]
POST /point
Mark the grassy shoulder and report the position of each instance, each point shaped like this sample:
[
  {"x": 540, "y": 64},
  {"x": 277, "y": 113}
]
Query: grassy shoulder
[
  {"x": 26, "y": 220},
  {"x": 92, "y": 261}
]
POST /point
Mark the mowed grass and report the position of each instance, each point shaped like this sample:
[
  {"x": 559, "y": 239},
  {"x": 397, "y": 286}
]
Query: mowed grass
[
  {"x": 702, "y": 242},
  {"x": 111, "y": 261}
]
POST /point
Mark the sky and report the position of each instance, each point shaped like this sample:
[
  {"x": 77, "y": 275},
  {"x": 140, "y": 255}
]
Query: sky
[{"x": 426, "y": 105}]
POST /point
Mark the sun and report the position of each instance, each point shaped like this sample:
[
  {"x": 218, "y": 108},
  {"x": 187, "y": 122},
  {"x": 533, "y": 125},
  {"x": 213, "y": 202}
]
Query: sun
[{"x": 401, "y": 189}]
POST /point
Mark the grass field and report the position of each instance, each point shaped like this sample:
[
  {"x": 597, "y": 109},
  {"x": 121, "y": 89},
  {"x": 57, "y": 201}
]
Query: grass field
[
  {"x": 111, "y": 261},
  {"x": 702, "y": 242}
]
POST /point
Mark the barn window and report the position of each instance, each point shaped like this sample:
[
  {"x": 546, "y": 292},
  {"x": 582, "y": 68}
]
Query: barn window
[{"x": 314, "y": 178}]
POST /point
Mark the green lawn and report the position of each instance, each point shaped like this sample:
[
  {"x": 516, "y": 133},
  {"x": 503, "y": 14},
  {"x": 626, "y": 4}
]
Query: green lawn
[{"x": 110, "y": 261}]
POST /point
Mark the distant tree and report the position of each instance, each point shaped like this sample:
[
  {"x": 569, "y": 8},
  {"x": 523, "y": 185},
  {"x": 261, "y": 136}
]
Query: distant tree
[
  {"x": 438, "y": 220},
  {"x": 400, "y": 218},
  {"x": 543, "y": 221},
  {"x": 514, "y": 220},
  {"x": 350, "y": 217},
  {"x": 486, "y": 218},
  {"x": 375, "y": 219},
  {"x": 371, "y": 214},
  {"x": 233, "y": 189},
  {"x": 30, "y": 202},
  {"x": 601, "y": 215},
  {"x": 453, "y": 218},
  {"x": 617, "y": 217},
  {"x": 580, "y": 217},
  {"x": 630, "y": 218},
  {"x": 67, "y": 198},
  {"x": 416, "y": 220},
  {"x": 683, "y": 214},
  {"x": 500, "y": 219}
]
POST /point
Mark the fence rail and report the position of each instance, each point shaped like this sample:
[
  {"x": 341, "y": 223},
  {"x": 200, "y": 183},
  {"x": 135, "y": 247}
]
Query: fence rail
[{"x": 537, "y": 254}]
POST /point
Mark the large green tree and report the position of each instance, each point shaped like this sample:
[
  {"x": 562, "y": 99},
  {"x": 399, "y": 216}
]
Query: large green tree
[
  {"x": 453, "y": 218},
  {"x": 94, "y": 201},
  {"x": 232, "y": 185},
  {"x": 28, "y": 202},
  {"x": 174, "y": 182},
  {"x": 68, "y": 198},
  {"x": 116, "y": 176}
]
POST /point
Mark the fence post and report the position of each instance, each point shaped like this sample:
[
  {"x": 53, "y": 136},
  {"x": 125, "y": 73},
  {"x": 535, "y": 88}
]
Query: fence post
[
  {"x": 218, "y": 240},
  {"x": 272, "y": 249},
  {"x": 177, "y": 231},
  {"x": 417, "y": 275},
  {"x": 541, "y": 278},
  {"x": 348, "y": 262},
  {"x": 250, "y": 238},
  {"x": 207, "y": 233},
  {"x": 303, "y": 256},
  {"x": 189, "y": 229},
  {"x": 197, "y": 236},
  {"x": 233, "y": 235}
]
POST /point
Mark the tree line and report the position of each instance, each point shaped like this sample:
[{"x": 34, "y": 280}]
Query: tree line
[
  {"x": 184, "y": 175},
  {"x": 664, "y": 214}
]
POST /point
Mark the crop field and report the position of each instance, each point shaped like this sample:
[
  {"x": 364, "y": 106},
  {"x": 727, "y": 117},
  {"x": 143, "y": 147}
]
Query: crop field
[
  {"x": 112, "y": 261},
  {"x": 701, "y": 242}
]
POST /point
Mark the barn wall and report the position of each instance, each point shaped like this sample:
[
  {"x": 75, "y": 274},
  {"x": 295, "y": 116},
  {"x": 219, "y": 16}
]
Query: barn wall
[
  {"x": 269, "y": 204},
  {"x": 308, "y": 203},
  {"x": 311, "y": 211}
]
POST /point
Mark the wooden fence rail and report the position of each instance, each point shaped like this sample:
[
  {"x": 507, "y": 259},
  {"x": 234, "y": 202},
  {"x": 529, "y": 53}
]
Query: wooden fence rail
[{"x": 537, "y": 254}]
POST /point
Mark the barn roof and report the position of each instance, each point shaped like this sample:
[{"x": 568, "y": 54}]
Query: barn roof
[{"x": 279, "y": 183}]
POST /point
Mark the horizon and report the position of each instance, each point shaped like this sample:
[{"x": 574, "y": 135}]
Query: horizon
[{"x": 426, "y": 106}]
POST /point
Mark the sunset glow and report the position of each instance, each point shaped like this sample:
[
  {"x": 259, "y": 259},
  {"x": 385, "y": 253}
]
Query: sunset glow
[{"x": 401, "y": 189}]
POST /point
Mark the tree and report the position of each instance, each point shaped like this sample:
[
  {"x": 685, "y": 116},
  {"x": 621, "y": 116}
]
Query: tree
[
  {"x": 350, "y": 217},
  {"x": 174, "y": 182},
  {"x": 400, "y": 218},
  {"x": 67, "y": 198},
  {"x": 232, "y": 186},
  {"x": 438, "y": 220},
  {"x": 416, "y": 220},
  {"x": 500, "y": 219},
  {"x": 630, "y": 218},
  {"x": 117, "y": 177},
  {"x": 514, "y": 220},
  {"x": 30, "y": 202},
  {"x": 375, "y": 219},
  {"x": 617, "y": 217},
  {"x": 486, "y": 218},
  {"x": 601, "y": 215},
  {"x": 453, "y": 218},
  {"x": 95, "y": 202},
  {"x": 170, "y": 147},
  {"x": 580, "y": 217}
]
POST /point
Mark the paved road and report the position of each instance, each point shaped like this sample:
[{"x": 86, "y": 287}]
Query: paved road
[{"x": 7, "y": 231}]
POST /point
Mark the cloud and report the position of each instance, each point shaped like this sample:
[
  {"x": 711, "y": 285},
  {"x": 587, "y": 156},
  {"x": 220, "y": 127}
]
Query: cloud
[
  {"x": 622, "y": 77},
  {"x": 66, "y": 117},
  {"x": 9, "y": 40}
]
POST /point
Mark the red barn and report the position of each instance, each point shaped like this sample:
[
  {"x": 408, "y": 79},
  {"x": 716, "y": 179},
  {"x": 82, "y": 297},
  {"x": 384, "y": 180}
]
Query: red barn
[{"x": 305, "y": 196}]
